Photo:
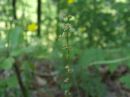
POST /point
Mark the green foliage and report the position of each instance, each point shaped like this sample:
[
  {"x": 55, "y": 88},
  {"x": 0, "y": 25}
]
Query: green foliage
[
  {"x": 10, "y": 82},
  {"x": 94, "y": 56},
  {"x": 14, "y": 48},
  {"x": 91, "y": 82},
  {"x": 7, "y": 63},
  {"x": 97, "y": 33},
  {"x": 84, "y": 81},
  {"x": 93, "y": 86},
  {"x": 15, "y": 37},
  {"x": 126, "y": 81}
]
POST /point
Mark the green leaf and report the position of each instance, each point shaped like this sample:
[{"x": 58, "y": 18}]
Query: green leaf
[
  {"x": 12, "y": 81},
  {"x": 15, "y": 37},
  {"x": 24, "y": 50},
  {"x": 7, "y": 64},
  {"x": 92, "y": 55},
  {"x": 126, "y": 80}
]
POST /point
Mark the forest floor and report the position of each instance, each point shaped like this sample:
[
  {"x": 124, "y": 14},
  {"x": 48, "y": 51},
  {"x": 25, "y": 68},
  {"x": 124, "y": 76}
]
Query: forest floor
[
  {"x": 45, "y": 81},
  {"x": 46, "y": 76}
]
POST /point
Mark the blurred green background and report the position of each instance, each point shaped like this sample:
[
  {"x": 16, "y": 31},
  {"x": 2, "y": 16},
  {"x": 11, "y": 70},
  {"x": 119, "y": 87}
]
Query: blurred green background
[{"x": 76, "y": 32}]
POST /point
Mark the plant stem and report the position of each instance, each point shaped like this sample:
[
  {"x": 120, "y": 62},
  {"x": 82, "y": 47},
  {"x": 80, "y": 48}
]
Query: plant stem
[
  {"x": 19, "y": 78},
  {"x": 71, "y": 75}
]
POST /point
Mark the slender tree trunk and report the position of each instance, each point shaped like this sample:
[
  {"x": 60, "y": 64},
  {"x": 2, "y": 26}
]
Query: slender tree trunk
[
  {"x": 39, "y": 17},
  {"x": 14, "y": 9}
]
